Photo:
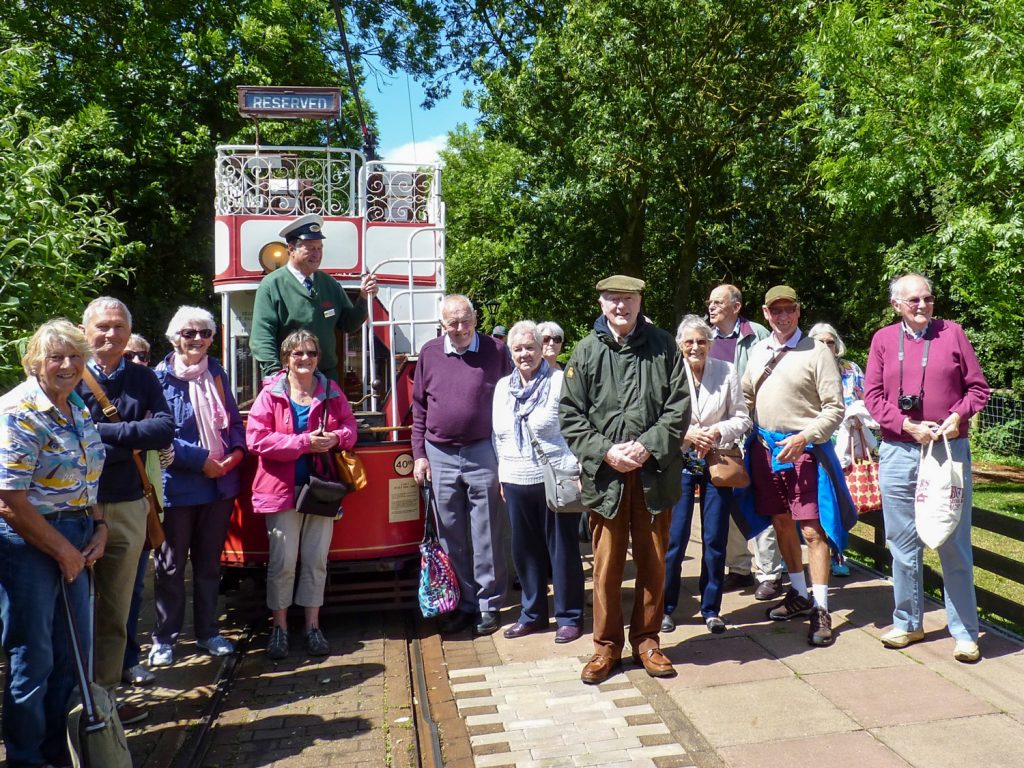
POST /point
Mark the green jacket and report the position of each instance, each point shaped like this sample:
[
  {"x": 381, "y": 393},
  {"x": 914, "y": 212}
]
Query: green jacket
[
  {"x": 611, "y": 394},
  {"x": 282, "y": 306}
]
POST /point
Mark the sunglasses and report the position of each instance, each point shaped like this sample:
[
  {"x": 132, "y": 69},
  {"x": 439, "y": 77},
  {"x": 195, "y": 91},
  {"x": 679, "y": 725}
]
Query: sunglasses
[
  {"x": 191, "y": 333},
  {"x": 304, "y": 353},
  {"x": 141, "y": 357},
  {"x": 549, "y": 339}
]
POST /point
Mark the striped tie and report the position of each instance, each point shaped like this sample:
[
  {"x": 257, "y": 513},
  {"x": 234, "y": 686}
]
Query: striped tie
[{"x": 308, "y": 282}]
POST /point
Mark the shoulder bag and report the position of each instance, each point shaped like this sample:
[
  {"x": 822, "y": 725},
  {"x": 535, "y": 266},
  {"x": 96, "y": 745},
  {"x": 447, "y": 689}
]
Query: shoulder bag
[
  {"x": 95, "y": 735},
  {"x": 322, "y": 495},
  {"x": 154, "y": 528},
  {"x": 562, "y": 490},
  {"x": 726, "y": 468},
  {"x": 439, "y": 588},
  {"x": 862, "y": 476}
]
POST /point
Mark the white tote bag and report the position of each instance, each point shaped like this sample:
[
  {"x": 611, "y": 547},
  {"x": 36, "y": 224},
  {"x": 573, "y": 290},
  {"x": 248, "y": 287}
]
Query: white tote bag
[{"x": 939, "y": 499}]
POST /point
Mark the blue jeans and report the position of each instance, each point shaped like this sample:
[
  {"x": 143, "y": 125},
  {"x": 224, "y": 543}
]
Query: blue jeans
[
  {"x": 714, "y": 519},
  {"x": 41, "y": 669},
  {"x": 132, "y": 649},
  {"x": 897, "y": 477},
  {"x": 544, "y": 542}
]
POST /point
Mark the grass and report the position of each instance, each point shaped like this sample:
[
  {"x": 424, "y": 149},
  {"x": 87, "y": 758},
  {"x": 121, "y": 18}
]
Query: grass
[
  {"x": 1003, "y": 498},
  {"x": 983, "y": 455}
]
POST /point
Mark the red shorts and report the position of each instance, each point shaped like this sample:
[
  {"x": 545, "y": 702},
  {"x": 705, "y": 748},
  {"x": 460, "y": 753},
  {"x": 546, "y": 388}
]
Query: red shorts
[{"x": 791, "y": 492}]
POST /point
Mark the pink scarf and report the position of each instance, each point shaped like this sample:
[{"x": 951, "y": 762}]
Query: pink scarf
[{"x": 211, "y": 417}]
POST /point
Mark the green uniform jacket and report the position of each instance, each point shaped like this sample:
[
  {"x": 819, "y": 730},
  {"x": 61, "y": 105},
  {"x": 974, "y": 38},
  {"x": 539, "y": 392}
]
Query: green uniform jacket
[
  {"x": 612, "y": 394},
  {"x": 282, "y": 306}
]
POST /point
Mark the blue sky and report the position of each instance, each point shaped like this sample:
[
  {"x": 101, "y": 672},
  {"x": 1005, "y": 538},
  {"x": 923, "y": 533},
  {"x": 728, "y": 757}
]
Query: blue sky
[{"x": 416, "y": 139}]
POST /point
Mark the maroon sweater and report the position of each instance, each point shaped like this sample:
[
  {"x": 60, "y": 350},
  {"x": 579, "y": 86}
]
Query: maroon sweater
[
  {"x": 953, "y": 380},
  {"x": 452, "y": 396}
]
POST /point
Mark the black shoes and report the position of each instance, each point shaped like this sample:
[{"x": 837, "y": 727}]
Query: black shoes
[
  {"x": 455, "y": 622},
  {"x": 488, "y": 623}
]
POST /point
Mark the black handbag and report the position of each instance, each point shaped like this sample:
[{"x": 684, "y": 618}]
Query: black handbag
[{"x": 323, "y": 493}]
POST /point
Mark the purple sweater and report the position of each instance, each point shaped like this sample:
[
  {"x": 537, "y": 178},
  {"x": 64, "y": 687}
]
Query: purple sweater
[
  {"x": 953, "y": 379},
  {"x": 452, "y": 396}
]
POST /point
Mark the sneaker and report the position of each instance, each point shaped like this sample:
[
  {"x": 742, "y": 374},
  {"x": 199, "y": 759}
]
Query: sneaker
[
  {"x": 966, "y": 651},
  {"x": 316, "y": 643},
  {"x": 277, "y": 646},
  {"x": 793, "y": 605},
  {"x": 901, "y": 638},
  {"x": 129, "y": 714},
  {"x": 216, "y": 645},
  {"x": 840, "y": 569},
  {"x": 137, "y": 675},
  {"x": 820, "y": 632},
  {"x": 161, "y": 655}
]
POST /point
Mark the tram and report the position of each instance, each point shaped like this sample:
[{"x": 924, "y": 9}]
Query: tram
[{"x": 380, "y": 218}]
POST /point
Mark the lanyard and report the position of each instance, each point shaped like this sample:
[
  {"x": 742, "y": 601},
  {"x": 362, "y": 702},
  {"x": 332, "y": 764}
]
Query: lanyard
[{"x": 924, "y": 357}]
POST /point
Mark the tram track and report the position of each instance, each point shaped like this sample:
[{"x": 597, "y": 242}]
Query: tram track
[{"x": 423, "y": 752}]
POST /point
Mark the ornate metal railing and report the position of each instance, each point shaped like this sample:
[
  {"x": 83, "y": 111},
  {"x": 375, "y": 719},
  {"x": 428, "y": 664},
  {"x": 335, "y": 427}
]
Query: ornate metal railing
[{"x": 293, "y": 181}]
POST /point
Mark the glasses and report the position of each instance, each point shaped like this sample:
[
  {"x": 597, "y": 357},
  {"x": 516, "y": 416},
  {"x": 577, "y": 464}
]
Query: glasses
[
  {"x": 304, "y": 353},
  {"x": 785, "y": 309},
  {"x": 191, "y": 333},
  {"x": 916, "y": 300},
  {"x": 695, "y": 342},
  {"x": 140, "y": 357},
  {"x": 549, "y": 339}
]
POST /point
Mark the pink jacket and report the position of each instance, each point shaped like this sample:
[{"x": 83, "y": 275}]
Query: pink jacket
[{"x": 270, "y": 434}]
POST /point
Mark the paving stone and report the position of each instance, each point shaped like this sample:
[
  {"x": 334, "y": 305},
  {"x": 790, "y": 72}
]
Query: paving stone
[{"x": 992, "y": 741}]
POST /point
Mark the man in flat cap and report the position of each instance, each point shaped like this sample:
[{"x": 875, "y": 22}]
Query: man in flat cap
[
  {"x": 623, "y": 406},
  {"x": 795, "y": 396},
  {"x": 300, "y": 296}
]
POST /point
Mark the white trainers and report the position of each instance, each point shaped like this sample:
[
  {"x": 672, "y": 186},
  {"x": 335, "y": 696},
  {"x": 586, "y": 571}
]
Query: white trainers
[
  {"x": 216, "y": 645},
  {"x": 901, "y": 638},
  {"x": 161, "y": 655},
  {"x": 966, "y": 651}
]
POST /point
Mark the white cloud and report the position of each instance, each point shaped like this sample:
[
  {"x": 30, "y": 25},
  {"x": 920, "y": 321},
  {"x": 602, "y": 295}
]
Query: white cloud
[{"x": 420, "y": 152}]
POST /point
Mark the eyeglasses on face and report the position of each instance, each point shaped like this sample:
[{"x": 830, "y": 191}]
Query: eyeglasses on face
[
  {"x": 549, "y": 339},
  {"x": 785, "y": 309},
  {"x": 191, "y": 333},
  {"x": 304, "y": 353},
  {"x": 695, "y": 342},
  {"x": 916, "y": 300},
  {"x": 141, "y": 357}
]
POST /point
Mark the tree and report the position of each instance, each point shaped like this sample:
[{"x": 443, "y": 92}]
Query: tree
[
  {"x": 915, "y": 113},
  {"x": 656, "y": 139},
  {"x": 57, "y": 249}
]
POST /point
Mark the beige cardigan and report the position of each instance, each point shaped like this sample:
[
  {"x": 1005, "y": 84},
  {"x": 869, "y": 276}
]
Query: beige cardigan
[{"x": 720, "y": 402}]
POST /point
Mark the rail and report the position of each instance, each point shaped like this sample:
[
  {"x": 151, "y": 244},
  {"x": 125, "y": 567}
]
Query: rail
[{"x": 993, "y": 562}]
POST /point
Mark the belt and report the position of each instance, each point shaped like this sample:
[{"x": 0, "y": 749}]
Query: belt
[{"x": 67, "y": 514}]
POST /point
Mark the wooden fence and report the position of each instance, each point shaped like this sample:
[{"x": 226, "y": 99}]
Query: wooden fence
[{"x": 1002, "y": 566}]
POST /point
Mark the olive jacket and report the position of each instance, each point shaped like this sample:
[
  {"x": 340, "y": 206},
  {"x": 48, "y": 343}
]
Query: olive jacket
[{"x": 613, "y": 393}]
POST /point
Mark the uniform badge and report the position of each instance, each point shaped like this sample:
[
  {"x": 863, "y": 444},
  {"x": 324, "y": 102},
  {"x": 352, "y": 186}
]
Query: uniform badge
[{"x": 569, "y": 372}]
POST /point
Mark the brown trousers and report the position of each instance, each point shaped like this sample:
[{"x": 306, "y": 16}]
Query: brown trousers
[{"x": 650, "y": 540}]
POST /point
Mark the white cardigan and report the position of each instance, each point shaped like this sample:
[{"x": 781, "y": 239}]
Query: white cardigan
[
  {"x": 524, "y": 468},
  {"x": 720, "y": 395}
]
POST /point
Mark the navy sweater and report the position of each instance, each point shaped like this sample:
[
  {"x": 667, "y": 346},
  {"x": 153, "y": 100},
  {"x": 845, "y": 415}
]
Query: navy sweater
[{"x": 137, "y": 394}]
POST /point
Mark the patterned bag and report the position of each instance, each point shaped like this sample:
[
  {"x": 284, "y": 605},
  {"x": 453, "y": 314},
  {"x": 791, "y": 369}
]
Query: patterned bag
[
  {"x": 862, "y": 477},
  {"x": 439, "y": 589}
]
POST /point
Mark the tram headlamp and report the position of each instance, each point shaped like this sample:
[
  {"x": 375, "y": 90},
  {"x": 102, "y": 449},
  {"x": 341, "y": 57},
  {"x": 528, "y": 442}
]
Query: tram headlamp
[{"x": 273, "y": 256}]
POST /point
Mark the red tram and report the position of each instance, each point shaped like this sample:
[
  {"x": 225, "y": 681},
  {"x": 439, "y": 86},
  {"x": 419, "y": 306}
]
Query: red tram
[{"x": 379, "y": 217}]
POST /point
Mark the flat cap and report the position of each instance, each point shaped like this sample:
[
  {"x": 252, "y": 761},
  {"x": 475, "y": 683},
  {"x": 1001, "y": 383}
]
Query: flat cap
[
  {"x": 622, "y": 284},
  {"x": 303, "y": 228},
  {"x": 778, "y": 293}
]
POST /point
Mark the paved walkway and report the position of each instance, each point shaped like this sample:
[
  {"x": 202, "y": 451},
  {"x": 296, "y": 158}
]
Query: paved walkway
[{"x": 757, "y": 695}]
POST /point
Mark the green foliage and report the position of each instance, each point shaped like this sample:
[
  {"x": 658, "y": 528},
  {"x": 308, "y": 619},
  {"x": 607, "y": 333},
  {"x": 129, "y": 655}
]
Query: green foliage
[
  {"x": 915, "y": 112},
  {"x": 58, "y": 249}
]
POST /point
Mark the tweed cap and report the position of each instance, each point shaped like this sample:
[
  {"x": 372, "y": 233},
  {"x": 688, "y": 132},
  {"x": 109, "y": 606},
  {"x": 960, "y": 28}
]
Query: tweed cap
[
  {"x": 621, "y": 284},
  {"x": 778, "y": 293},
  {"x": 303, "y": 228}
]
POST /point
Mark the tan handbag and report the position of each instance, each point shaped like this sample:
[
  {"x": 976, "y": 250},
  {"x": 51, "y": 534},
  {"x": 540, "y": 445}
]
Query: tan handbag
[
  {"x": 351, "y": 469},
  {"x": 726, "y": 468}
]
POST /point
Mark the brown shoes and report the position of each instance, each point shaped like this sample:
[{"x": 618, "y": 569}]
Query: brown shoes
[
  {"x": 655, "y": 662},
  {"x": 599, "y": 669}
]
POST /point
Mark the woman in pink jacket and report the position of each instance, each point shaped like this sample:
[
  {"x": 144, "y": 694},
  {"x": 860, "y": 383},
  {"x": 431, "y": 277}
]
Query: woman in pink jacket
[{"x": 286, "y": 425}]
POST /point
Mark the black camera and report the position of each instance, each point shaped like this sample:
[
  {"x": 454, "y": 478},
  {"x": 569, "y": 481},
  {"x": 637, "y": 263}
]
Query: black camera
[{"x": 908, "y": 402}]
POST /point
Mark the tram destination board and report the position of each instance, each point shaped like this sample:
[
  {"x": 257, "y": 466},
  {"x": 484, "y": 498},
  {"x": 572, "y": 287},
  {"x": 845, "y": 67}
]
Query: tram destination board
[{"x": 289, "y": 102}]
